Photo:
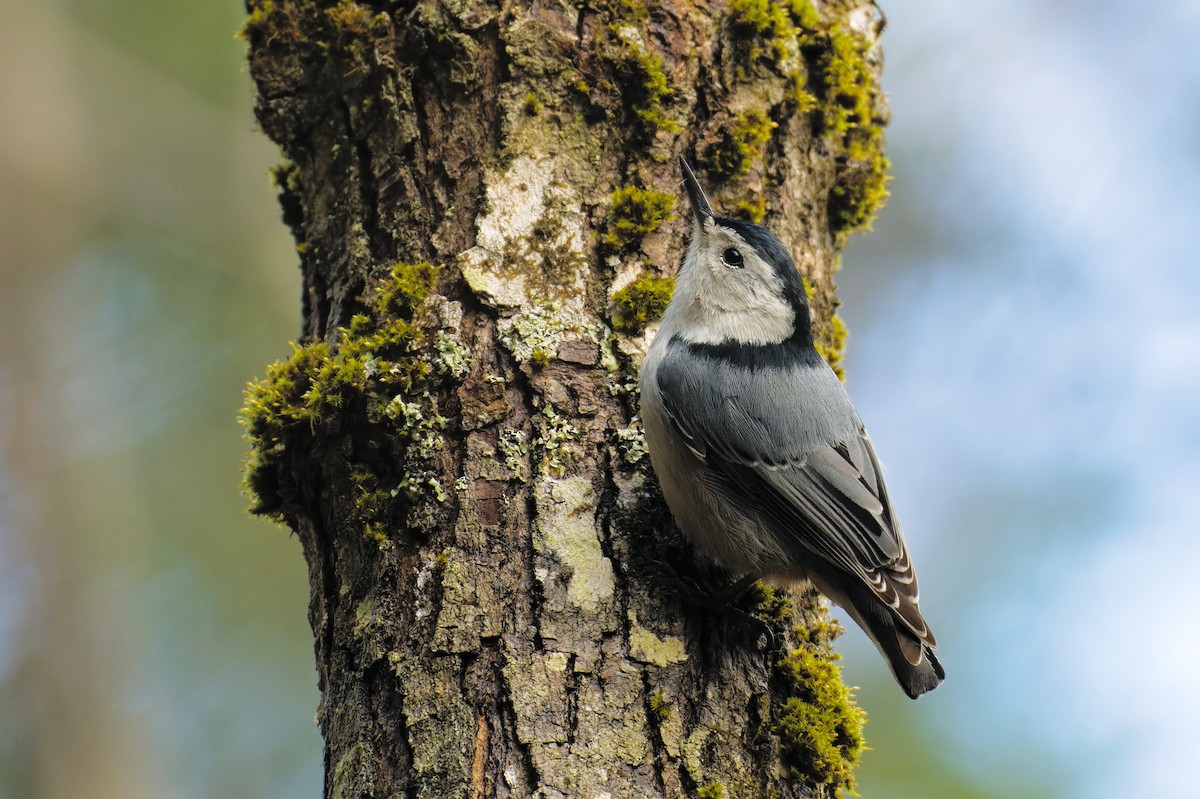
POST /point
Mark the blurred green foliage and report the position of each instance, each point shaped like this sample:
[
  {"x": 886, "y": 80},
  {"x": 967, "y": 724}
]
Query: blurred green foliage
[{"x": 153, "y": 639}]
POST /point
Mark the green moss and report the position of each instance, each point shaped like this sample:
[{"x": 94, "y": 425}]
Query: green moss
[
  {"x": 804, "y": 14},
  {"x": 274, "y": 406},
  {"x": 834, "y": 353},
  {"x": 533, "y": 105},
  {"x": 636, "y": 212},
  {"x": 357, "y": 30},
  {"x": 754, "y": 210},
  {"x": 356, "y": 19},
  {"x": 773, "y": 604},
  {"x": 742, "y": 142},
  {"x": 757, "y": 17},
  {"x": 713, "y": 790},
  {"x": 859, "y": 195},
  {"x": 799, "y": 95},
  {"x": 762, "y": 26},
  {"x": 285, "y": 176},
  {"x": 632, "y": 79},
  {"x": 642, "y": 80},
  {"x": 408, "y": 288},
  {"x": 641, "y": 302},
  {"x": 270, "y": 20},
  {"x": 634, "y": 11},
  {"x": 850, "y": 96},
  {"x": 828, "y": 68},
  {"x": 381, "y": 371},
  {"x": 774, "y": 28},
  {"x": 819, "y": 726},
  {"x": 848, "y": 82},
  {"x": 372, "y": 506},
  {"x": 660, "y": 707}
]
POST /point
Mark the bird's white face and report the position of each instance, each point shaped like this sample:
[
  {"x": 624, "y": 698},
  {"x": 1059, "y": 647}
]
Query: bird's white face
[{"x": 726, "y": 292}]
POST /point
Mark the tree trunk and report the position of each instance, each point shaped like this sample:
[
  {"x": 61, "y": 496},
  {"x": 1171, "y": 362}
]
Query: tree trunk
[{"x": 483, "y": 199}]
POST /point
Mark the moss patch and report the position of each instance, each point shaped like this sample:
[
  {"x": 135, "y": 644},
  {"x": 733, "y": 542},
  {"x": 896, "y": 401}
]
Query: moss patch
[
  {"x": 642, "y": 80},
  {"x": 819, "y": 726},
  {"x": 351, "y": 27},
  {"x": 661, "y": 708},
  {"x": 742, "y": 142},
  {"x": 830, "y": 70},
  {"x": 357, "y": 20},
  {"x": 772, "y": 32},
  {"x": 630, "y": 70},
  {"x": 635, "y": 213},
  {"x": 382, "y": 370},
  {"x": 851, "y": 97},
  {"x": 270, "y": 21},
  {"x": 641, "y": 302},
  {"x": 762, "y": 27},
  {"x": 834, "y": 353},
  {"x": 753, "y": 210},
  {"x": 410, "y": 284}
]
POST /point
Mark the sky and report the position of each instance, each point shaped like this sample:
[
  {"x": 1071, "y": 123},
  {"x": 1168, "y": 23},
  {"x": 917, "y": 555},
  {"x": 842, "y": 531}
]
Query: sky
[
  {"x": 1024, "y": 350},
  {"x": 1026, "y": 354}
]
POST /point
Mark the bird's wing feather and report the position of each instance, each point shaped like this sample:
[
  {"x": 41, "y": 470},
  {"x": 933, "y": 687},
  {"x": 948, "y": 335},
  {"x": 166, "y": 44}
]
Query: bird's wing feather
[{"x": 826, "y": 496}]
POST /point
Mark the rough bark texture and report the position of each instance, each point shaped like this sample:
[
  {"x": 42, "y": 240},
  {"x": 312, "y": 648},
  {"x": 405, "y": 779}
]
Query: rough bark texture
[{"x": 481, "y": 199}]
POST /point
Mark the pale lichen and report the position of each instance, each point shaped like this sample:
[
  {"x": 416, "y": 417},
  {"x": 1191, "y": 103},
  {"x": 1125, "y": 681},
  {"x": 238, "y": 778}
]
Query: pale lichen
[
  {"x": 632, "y": 441},
  {"x": 514, "y": 446},
  {"x": 567, "y": 531},
  {"x": 535, "y": 333},
  {"x": 556, "y": 441},
  {"x": 646, "y": 647}
]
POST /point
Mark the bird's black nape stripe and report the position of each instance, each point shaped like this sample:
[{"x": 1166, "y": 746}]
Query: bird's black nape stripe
[
  {"x": 795, "y": 351},
  {"x": 771, "y": 250}
]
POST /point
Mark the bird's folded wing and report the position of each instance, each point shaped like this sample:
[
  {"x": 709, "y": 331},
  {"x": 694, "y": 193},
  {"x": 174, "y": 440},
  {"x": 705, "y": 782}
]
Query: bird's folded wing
[{"x": 830, "y": 499}]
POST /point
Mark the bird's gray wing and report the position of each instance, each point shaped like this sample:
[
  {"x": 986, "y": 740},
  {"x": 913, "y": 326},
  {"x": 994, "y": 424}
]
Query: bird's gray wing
[{"x": 824, "y": 491}]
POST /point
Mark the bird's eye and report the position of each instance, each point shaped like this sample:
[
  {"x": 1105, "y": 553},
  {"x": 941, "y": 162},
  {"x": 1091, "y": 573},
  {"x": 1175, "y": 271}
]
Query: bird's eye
[{"x": 733, "y": 258}]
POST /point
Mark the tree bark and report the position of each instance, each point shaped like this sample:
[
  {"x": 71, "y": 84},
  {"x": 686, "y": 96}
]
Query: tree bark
[{"x": 482, "y": 200}]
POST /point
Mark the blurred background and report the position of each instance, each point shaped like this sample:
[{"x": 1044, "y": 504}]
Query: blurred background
[{"x": 1024, "y": 348}]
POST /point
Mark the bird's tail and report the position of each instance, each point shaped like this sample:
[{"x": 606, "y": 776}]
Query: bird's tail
[{"x": 912, "y": 661}]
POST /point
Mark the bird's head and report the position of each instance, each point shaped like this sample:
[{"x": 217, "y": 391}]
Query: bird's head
[{"x": 737, "y": 284}]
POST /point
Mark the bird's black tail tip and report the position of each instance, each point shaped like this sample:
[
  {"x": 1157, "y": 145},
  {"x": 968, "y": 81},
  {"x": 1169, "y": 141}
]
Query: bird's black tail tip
[{"x": 921, "y": 678}]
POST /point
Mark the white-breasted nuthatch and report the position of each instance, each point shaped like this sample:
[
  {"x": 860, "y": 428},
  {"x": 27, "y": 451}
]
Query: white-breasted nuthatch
[{"x": 762, "y": 458}]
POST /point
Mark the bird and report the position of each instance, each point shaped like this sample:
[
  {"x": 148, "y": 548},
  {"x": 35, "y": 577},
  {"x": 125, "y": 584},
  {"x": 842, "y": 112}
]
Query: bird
[{"x": 762, "y": 459}]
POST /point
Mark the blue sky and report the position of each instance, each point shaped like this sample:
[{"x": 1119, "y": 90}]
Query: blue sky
[{"x": 1025, "y": 352}]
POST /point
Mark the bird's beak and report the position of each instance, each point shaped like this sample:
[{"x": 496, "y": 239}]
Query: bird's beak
[{"x": 701, "y": 210}]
